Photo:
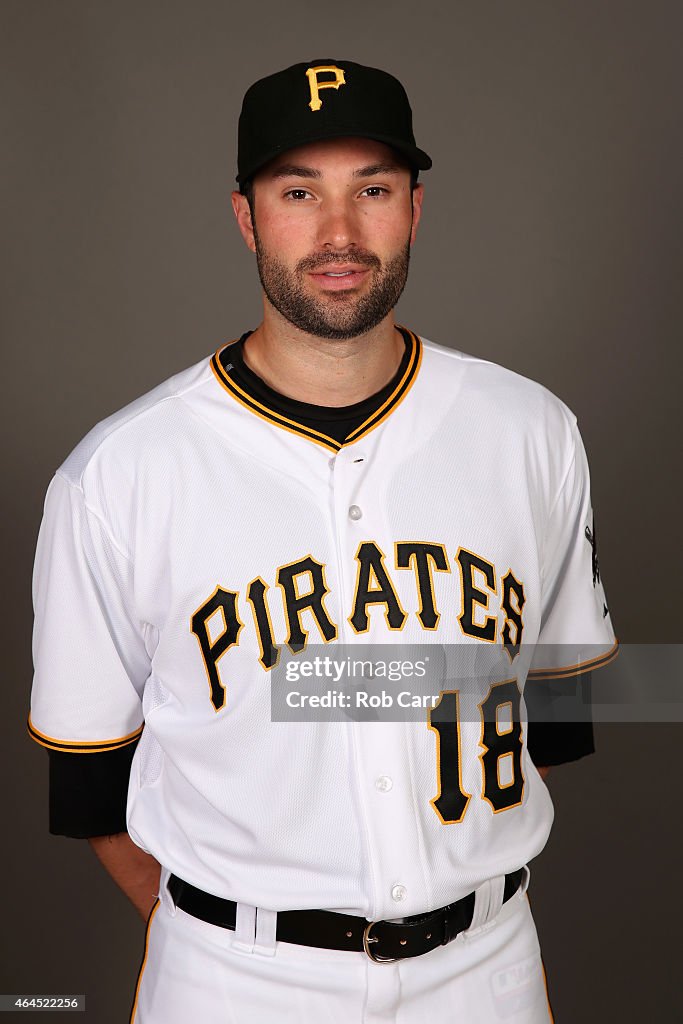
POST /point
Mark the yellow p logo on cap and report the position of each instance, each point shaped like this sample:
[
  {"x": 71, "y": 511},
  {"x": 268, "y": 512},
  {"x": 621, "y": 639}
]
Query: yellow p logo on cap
[{"x": 315, "y": 86}]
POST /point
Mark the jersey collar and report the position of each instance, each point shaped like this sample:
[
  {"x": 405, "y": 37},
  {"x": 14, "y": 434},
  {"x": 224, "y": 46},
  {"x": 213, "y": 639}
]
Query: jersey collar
[{"x": 222, "y": 370}]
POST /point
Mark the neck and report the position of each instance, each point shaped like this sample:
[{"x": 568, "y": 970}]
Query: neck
[{"x": 322, "y": 371}]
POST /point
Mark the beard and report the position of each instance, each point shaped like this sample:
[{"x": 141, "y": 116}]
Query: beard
[{"x": 335, "y": 315}]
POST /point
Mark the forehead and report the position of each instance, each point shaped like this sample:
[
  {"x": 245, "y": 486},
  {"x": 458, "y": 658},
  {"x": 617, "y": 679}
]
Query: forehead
[{"x": 345, "y": 155}]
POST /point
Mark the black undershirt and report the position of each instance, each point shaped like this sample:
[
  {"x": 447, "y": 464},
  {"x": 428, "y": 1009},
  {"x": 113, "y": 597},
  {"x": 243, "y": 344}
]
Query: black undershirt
[
  {"x": 88, "y": 791},
  {"x": 335, "y": 422}
]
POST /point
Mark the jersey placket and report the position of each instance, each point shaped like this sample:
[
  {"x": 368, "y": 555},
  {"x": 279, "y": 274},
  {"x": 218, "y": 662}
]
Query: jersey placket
[{"x": 379, "y": 760}]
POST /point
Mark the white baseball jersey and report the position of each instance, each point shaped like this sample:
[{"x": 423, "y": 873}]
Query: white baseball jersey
[{"x": 197, "y": 534}]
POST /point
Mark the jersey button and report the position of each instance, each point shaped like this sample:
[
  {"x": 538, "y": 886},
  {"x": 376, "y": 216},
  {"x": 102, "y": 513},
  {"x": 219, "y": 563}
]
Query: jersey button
[
  {"x": 383, "y": 783},
  {"x": 398, "y": 893},
  {"x": 355, "y": 512}
]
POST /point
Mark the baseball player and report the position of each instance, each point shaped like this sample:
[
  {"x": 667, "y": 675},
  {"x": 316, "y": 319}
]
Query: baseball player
[{"x": 329, "y": 482}]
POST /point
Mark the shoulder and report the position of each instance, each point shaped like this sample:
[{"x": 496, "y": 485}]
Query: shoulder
[
  {"x": 120, "y": 439},
  {"x": 485, "y": 389}
]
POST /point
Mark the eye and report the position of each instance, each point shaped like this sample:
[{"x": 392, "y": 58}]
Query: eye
[
  {"x": 374, "y": 191},
  {"x": 297, "y": 194}
]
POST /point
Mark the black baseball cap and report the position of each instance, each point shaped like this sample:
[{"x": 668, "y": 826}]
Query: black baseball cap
[{"x": 323, "y": 99}]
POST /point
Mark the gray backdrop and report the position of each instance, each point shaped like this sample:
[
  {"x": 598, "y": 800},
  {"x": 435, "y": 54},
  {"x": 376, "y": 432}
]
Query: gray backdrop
[{"x": 551, "y": 243}]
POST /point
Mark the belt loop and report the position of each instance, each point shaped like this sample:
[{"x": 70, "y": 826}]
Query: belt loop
[
  {"x": 488, "y": 900},
  {"x": 165, "y": 898},
  {"x": 482, "y": 898},
  {"x": 245, "y": 928},
  {"x": 496, "y": 896},
  {"x": 266, "y": 929}
]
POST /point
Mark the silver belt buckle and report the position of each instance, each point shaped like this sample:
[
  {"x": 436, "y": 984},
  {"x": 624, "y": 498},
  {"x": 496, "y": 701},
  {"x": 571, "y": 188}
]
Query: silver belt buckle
[{"x": 367, "y": 939}]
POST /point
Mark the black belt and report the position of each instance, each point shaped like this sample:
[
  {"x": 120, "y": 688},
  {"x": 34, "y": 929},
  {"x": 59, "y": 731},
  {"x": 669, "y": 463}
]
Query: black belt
[{"x": 381, "y": 940}]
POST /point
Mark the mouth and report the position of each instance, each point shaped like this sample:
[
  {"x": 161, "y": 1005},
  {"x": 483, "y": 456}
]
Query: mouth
[{"x": 340, "y": 278}]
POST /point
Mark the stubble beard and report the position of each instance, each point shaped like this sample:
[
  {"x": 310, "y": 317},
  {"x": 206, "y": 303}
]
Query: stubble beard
[{"x": 336, "y": 315}]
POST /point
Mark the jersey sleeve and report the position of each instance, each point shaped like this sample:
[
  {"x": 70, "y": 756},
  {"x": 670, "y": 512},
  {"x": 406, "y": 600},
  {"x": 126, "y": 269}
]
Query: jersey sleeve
[
  {"x": 89, "y": 651},
  {"x": 576, "y": 633}
]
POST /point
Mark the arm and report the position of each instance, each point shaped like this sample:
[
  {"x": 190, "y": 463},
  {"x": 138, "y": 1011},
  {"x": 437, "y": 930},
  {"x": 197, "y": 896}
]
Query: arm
[
  {"x": 133, "y": 870},
  {"x": 88, "y": 800},
  {"x": 543, "y": 772},
  {"x": 91, "y": 663}
]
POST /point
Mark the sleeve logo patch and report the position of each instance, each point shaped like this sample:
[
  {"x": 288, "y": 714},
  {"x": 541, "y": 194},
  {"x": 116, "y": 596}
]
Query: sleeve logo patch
[{"x": 591, "y": 538}]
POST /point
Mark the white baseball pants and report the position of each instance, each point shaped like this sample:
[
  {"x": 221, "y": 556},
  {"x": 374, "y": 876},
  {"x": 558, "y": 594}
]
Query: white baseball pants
[{"x": 198, "y": 973}]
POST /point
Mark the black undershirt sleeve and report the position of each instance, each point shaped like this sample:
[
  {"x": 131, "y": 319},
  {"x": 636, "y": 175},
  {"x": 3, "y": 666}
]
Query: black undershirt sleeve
[
  {"x": 560, "y": 720},
  {"x": 88, "y": 792},
  {"x": 560, "y": 742}
]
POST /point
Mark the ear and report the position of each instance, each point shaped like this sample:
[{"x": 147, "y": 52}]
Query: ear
[
  {"x": 240, "y": 206},
  {"x": 418, "y": 195}
]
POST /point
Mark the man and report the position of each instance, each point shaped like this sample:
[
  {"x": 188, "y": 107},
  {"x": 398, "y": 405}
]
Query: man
[{"x": 328, "y": 483}]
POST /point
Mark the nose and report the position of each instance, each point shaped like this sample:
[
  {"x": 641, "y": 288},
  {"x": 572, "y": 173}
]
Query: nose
[{"x": 338, "y": 226}]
